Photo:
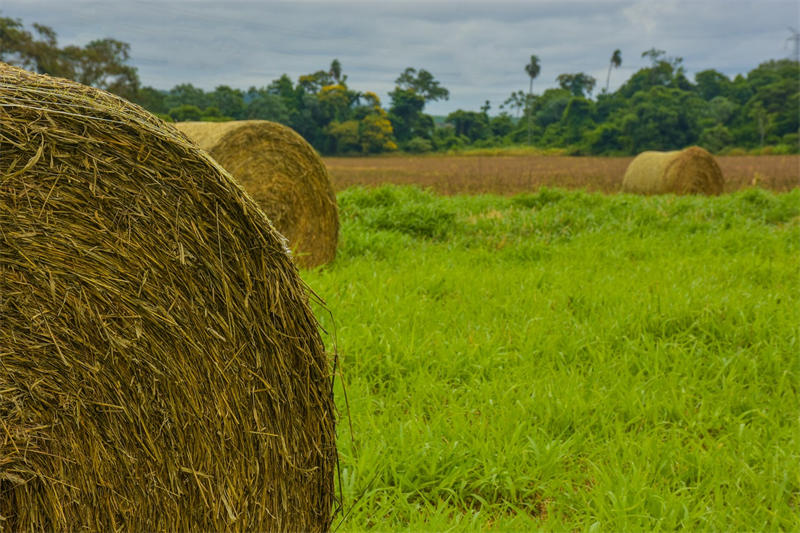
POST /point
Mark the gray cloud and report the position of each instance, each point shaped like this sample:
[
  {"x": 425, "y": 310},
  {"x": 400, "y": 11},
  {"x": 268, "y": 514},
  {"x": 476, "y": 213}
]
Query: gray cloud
[{"x": 476, "y": 49}]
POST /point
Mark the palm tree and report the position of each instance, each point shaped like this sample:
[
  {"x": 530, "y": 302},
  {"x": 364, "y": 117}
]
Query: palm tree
[
  {"x": 616, "y": 61},
  {"x": 532, "y": 69},
  {"x": 336, "y": 70}
]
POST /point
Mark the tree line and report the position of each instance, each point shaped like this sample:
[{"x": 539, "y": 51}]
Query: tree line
[{"x": 657, "y": 108}]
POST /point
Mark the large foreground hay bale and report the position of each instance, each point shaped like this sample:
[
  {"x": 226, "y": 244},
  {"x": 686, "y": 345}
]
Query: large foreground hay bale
[
  {"x": 284, "y": 174},
  {"x": 160, "y": 368},
  {"x": 689, "y": 171}
]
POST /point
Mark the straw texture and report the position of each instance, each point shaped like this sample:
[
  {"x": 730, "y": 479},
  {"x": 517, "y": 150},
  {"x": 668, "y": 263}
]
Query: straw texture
[
  {"x": 160, "y": 368},
  {"x": 689, "y": 171},
  {"x": 284, "y": 174}
]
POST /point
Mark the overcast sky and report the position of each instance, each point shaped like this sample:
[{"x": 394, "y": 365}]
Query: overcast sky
[{"x": 477, "y": 50}]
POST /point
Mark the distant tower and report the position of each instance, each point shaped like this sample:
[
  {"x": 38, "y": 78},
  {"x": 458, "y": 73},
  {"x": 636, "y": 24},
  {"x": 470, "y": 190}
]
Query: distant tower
[{"x": 796, "y": 39}]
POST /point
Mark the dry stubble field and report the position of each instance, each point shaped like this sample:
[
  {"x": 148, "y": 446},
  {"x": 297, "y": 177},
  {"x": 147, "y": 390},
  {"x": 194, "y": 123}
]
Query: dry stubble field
[{"x": 516, "y": 174}]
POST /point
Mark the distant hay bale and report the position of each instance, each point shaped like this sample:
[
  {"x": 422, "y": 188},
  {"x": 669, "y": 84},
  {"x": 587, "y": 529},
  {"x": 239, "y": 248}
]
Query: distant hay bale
[
  {"x": 160, "y": 367},
  {"x": 284, "y": 174},
  {"x": 689, "y": 171}
]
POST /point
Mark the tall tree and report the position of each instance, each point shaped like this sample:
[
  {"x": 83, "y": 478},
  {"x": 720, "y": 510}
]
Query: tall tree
[
  {"x": 414, "y": 89},
  {"x": 230, "y": 102},
  {"x": 469, "y": 124},
  {"x": 763, "y": 120},
  {"x": 515, "y": 101},
  {"x": 312, "y": 83},
  {"x": 336, "y": 72},
  {"x": 12, "y": 37},
  {"x": 616, "y": 61},
  {"x": 532, "y": 68},
  {"x": 654, "y": 55},
  {"x": 710, "y": 84},
  {"x": 422, "y": 83},
  {"x": 406, "y": 114},
  {"x": 266, "y": 105},
  {"x": 186, "y": 94},
  {"x": 38, "y": 52},
  {"x": 579, "y": 84},
  {"x": 103, "y": 63}
]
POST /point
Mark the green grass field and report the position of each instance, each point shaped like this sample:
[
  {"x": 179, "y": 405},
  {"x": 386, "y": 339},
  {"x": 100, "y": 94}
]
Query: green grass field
[{"x": 566, "y": 361}]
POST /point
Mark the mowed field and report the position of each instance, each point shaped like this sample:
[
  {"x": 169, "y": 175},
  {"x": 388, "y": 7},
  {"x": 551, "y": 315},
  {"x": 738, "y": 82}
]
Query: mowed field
[
  {"x": 563, "y": 360},
  {"x": 516, "y": 174}
]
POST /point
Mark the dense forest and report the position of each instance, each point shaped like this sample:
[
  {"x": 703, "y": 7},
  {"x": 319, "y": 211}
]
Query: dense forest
[{"x": 657, "y": 108}]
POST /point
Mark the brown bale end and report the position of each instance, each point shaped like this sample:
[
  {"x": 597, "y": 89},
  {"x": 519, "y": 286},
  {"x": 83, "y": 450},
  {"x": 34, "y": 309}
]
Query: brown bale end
[
  {"x": 284, "y": 174},
  {"x": 160, "y": 367},
  {"x": 689, "y": 171}
]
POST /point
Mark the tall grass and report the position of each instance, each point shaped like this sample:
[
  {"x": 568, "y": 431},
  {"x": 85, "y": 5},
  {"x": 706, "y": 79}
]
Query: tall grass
[{"x": 564, "y": 360}]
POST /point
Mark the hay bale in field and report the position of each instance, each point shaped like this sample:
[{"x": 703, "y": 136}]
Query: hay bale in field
[
  {"x": 284, "y": 174},
  {"x": 160, "y": 367},
  {"x": 689, "y": 171}
]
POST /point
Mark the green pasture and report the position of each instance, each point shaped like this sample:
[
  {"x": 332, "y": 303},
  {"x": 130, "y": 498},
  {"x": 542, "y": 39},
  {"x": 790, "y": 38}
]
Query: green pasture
[{"x": 566, "y": 361}]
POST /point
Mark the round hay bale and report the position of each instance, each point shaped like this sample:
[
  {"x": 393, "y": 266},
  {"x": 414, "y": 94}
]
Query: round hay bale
[
  {"x": 284, "y": 174},
  {"x": 160, "y": 367},
  {"x": 689, "y": 171}
]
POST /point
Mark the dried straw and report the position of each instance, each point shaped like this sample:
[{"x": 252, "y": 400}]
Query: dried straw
[
  {"x": 689, "y": 171},
  {"x": 284, "y": 174},
  {"x": 160, "y": 368}
]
